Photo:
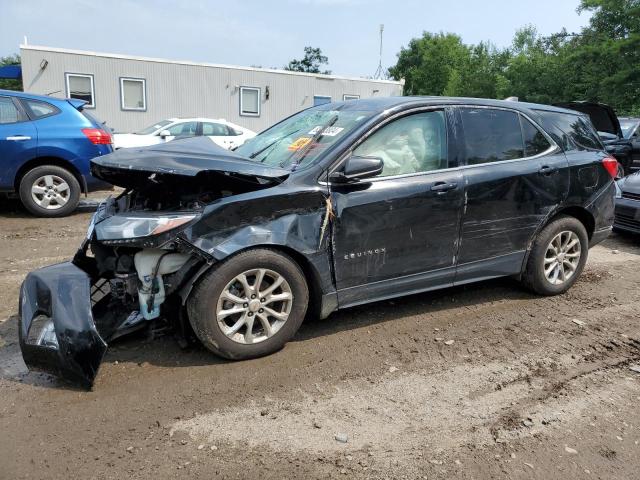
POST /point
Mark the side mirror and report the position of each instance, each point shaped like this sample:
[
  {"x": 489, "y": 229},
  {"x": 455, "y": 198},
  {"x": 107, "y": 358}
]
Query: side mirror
[
  {"x": 165, "y": 134},
  {"x": 358, "y": 168}
]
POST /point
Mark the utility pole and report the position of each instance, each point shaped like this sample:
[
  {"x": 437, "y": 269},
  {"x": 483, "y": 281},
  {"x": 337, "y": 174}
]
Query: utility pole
[{"x": 379, "y": 72}]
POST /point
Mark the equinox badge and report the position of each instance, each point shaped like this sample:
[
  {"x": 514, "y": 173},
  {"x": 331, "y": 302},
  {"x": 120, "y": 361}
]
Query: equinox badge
[{"x": 365, "y": 253}]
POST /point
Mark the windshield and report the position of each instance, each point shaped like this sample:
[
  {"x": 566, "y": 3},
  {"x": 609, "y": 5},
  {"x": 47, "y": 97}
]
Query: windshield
[
  {"x": 628, "y": 127},
  {"x": 302, "y": 138},
  {"x": 152, "y": 128}
]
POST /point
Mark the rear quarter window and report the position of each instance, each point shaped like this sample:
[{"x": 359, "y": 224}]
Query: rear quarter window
[
  {"x": 38, "y": 109},
  {"x": 577, "y": 127}
]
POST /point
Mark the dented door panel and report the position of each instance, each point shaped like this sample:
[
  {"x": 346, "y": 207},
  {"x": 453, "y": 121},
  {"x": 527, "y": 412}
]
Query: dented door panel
[{"x": 506, "y": 202}]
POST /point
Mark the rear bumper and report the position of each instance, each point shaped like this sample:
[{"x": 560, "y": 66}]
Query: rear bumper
[
  {"x": 60, "y": 295},
  {"x": 627, "y": 216}
]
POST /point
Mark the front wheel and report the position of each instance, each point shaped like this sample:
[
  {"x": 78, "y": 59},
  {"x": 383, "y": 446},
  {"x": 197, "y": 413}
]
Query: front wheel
[
  {"x": 557, "y": 257},
  {"x": 250, "y": 305},
  {"x": 49, "y": 191}
]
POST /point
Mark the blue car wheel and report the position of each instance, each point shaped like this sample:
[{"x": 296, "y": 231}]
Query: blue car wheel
[{"x": 49, "y": 191}]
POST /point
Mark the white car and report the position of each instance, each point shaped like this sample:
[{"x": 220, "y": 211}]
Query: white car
[{"x": 225, "y": 134}]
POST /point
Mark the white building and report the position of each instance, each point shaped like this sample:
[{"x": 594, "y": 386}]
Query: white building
[{"x": 130, "y": 93}]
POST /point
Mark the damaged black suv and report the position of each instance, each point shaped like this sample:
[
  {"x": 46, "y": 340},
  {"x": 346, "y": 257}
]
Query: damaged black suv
[{"x": 335, "y": 206}]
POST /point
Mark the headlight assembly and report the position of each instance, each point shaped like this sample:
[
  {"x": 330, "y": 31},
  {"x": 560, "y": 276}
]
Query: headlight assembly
[{"x": 123, "y": 227}]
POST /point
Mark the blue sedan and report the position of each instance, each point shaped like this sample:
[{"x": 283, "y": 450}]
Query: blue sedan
[{"x": 45, "y": 147}]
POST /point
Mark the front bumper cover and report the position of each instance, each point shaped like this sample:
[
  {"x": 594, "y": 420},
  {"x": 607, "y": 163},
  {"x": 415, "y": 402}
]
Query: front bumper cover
[{"x": 62, "y": 294}]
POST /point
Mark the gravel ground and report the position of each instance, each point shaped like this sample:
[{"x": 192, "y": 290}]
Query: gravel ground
[{"x": 481, "y": 381}]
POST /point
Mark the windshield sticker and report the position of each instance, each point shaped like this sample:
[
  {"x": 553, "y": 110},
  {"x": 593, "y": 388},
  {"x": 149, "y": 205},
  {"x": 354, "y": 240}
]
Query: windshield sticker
[
  {"x": 328, "y": 132},
  {"x": 299, "y": 143}
]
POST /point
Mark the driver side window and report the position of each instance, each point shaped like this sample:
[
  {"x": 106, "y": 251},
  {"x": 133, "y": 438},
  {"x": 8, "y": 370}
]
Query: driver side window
[{"x": 412, "y": 144}]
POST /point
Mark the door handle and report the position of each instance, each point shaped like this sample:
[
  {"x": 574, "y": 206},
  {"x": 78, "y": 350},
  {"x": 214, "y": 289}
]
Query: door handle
[
  {"x": 546, "y": 170},
  {"x": 443, "y": 187},
  {"x": 18, "y": 138}
]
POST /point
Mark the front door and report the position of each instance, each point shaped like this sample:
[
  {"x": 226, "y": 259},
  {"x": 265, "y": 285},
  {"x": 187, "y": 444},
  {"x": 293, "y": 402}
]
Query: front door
[
  {"x": 514, "y": 178},
  {"x": 18, "y": 140},
  {"x": 397, "y": 233}
]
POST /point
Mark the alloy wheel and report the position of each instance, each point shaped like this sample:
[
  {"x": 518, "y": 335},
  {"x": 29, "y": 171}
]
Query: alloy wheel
[
  {"x": 254, "y": 306},
  {"x": 50, "y": 192},
  {"x": 562, "y": 257}
]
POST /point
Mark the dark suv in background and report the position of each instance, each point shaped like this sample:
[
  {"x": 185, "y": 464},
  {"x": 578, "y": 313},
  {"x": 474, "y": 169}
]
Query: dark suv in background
[
  {"x": 338, "y": 205},
  {"x": 45, "y": 147}
]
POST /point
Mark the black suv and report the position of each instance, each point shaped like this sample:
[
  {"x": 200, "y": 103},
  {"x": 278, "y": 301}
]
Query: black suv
[{"x": 338, "y": 205}]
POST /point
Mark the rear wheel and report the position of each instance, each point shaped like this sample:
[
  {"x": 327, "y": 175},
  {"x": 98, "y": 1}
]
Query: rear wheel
[
  {"x": 250, "y": 305},
  {"x": 557, "y": 257},
  {"x": 49, "y": 191}
]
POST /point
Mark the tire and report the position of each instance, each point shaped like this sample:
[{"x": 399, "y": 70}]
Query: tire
[
  {"x": 42, "y": 178},
  {"x": 207, "y": 310},
  {"x": 535, "y": 278}
]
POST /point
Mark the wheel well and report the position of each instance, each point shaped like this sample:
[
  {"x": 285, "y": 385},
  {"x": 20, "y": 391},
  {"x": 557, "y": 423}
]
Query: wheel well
[
  {"x": 310, "y": 275},
  {"x": 581, "y": 214},
  {"x": 40, "y": 161}
]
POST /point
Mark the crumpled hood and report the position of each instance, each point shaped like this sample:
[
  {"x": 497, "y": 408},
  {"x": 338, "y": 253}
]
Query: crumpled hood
[{"x": 187, "y": 157}]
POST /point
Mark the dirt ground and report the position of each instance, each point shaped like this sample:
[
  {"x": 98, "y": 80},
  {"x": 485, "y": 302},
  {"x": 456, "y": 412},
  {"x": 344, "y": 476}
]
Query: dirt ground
[{"x": 482, "y": 381}]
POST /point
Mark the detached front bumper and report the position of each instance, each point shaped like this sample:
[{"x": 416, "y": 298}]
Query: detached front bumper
[{"x": 57, "y": 331}]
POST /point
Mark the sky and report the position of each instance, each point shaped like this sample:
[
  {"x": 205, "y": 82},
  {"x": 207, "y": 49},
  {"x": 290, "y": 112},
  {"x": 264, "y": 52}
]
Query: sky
[{"x": 270, "y": 33}]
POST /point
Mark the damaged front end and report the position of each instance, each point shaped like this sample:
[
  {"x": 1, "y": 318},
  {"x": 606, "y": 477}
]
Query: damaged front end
[{"x": 136, "y": 263}]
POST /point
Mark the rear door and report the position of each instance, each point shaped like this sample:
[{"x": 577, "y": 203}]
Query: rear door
[
  {"x": 219, "y": 133},
  {"x": 397, "y": 233},
  {"x": 18, "y": 140},
  {"x": 514, "y": 176}
]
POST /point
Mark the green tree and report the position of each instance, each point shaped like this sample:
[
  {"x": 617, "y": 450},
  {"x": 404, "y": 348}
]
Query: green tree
[
  {"x": 311, "y": 62},
  {"x": 7, "y": 83},
  {"x": 607, "y": 54},
  {"x": 440, "y": 64},
  {"x": 432, "y": 64}
]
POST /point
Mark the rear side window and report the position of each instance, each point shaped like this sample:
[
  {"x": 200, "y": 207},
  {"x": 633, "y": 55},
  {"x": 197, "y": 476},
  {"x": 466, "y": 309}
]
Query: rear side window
[
  {"x": 578, "y": 127},
  {"x": 214, "y": 129},
  {"x": 491, "y": 135},
  {"x": 535, "y": 142},
  {"x": 8, "y": 111},
  {"x": 39, "y": 109}
]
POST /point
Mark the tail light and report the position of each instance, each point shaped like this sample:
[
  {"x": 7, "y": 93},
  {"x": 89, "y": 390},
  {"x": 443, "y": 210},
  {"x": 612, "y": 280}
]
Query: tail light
[
  {"x": 610, "y": 164},
  {"x": 97, "y": 136}
]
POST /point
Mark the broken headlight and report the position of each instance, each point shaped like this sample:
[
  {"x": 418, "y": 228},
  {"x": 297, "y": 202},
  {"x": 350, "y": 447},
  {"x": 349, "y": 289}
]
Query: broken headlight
[
  {"x": 123, "y": 227},
  {"x": 42, "y": 332}
]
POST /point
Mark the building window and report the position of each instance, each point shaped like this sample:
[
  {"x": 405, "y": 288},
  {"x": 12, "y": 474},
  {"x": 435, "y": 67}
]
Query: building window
[
  {"x": 321, "y": 100},
  {"x": 250, "y": 101},
  {"x": 346, "y": 97},
  {"x": 80, "y": 86},
  {"x": 133, "y": 94}
]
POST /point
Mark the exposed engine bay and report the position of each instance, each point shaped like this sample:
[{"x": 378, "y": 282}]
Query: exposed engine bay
[{"x": 136, "y": 264}]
